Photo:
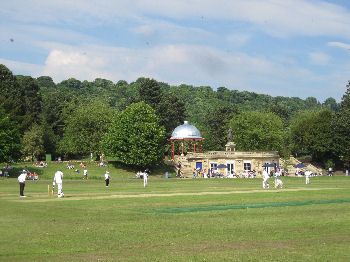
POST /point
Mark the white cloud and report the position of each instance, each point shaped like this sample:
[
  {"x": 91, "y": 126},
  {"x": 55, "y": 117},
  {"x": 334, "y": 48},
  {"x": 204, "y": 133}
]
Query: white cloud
[
  {"x": 183, "y": 39},
  {"x": 279, "y": 18},
  {"x": 318, "y": 58},
  {"x": 340, "y": 45},
  {"x": 193, "y": 64},
  {"x": 176, "y": 64}
]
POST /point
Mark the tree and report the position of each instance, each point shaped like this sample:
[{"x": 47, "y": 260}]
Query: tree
[
  {"x": 84, "y": 128},
  {"x": 53, "y": 105},
  {"x": 45, "y": 84},
  {"x": 170, "y": 110},
  {"x": 281, "y": 111},
  {"x": 341, "y": 129},
  {"x": 255, "y": 130},
  {"x": 311, "y": 102},
  {"x": 135, "y": 137},
  {"x": 31, "y": 98},
  {"x": 331, "y": 104},
  {"x": 70, "y": 84},
  {"x": 217, "y": 121},
  {"x": 32, "y": 142},
  {"x": 149, "y": 91},
  {"x": 312, "y": 133},
  {"x": 9, "y": 138},
  {"x": 11, "y": 95},
  {"x": 345, "y": 102}
]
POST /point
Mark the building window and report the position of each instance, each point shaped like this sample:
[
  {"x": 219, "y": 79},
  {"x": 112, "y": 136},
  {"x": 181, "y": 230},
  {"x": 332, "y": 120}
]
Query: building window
[{"x": 247, "y": 166}]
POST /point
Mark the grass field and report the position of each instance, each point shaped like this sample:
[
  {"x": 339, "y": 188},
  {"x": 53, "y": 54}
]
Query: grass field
[{"x": 177, "y": 220}]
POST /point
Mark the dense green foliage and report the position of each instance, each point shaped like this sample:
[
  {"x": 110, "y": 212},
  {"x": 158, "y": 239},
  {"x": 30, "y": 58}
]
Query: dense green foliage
[
  {"x": 255, "y": 130},
  {"x": 312, "y": 132},
  {"x": 9, "y": 138},
  {"x": 55, "y": 108},
  {"x": 217, "y": 123},
  {"x": 342, "y": 129},
  {"x": 33, "y": 142},
  {"x": 11, "y": 95},
  {"x": 169, "y": 108},
  {"x": 84, "y": 128},
  {"x": 135, "y": 137}
]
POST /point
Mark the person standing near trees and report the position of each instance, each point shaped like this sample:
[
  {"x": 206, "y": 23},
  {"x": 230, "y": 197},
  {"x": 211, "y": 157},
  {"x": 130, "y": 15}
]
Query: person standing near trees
[
  {"x": 107, "y": 177},
  {"x": 22, "y": 183}
]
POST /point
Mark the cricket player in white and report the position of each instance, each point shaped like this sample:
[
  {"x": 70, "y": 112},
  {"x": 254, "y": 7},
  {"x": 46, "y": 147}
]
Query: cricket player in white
[
  {"x": 278, "y": 183},
  {"x": 107, "y": 178},
  {"x": 265, "y": 179},
  {"x": 277, "y": 175},
  {"x": 307, "y": 176},
  {"x": 22, "y": 183},
  {"x": 145, "y": 177},
  {"x": 58, "y": 179}
]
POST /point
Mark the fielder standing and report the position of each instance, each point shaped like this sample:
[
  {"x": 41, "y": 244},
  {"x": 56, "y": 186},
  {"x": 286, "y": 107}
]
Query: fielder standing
[
  {"x": 58, "y": 179},
  {"x": 22, "y": 183},
  {"x": 265, "y": 179},
  {"x": 85, "y": 174},
  {"x": 307, "y": 176},
  {"x": 145, "y": 177},
  {"x": 107, "y": 177}
]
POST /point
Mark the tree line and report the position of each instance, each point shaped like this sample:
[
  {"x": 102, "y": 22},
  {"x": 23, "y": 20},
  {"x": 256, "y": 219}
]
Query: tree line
[{"x": 132, "y": 121}]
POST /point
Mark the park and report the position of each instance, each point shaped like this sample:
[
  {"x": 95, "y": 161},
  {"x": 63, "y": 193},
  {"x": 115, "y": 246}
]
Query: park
[
  {"x": 174, "y": 219},
  {"x": 175, "y": 131}
]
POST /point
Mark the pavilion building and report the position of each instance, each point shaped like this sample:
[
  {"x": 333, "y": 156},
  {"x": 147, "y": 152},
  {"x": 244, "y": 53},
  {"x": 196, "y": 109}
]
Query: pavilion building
[{"x": 236, "y": 162}]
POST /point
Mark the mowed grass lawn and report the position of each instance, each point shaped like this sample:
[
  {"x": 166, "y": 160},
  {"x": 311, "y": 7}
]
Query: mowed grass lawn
[{"x": 127, "y": 222}]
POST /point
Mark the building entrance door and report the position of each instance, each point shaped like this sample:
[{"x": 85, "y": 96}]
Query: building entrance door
[
  {"x": 199, "y": 166},
  {"x": 230, "y": 169}
]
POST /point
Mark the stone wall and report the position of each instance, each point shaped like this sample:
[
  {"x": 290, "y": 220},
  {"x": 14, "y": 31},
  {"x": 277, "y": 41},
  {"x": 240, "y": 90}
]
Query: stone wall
[{"x": 236, "y": 158}]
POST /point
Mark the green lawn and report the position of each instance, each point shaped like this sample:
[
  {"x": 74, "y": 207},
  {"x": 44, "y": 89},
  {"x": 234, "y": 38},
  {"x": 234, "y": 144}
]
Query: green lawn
[{"x": 127, "y": 222}]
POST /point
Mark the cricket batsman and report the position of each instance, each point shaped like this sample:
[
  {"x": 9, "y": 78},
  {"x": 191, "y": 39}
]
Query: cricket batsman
[{"x": 58, "y": 179}]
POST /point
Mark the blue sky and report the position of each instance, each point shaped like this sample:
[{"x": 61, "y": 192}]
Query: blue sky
[{"x": 277, "y": 47}]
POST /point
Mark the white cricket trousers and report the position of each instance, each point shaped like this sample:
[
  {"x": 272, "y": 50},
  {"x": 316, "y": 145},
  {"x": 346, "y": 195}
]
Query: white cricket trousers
[
  {"x": 145, "y": 182},
  {"x": 59, "y": 189},
  {"x": 265, "y": 184}
]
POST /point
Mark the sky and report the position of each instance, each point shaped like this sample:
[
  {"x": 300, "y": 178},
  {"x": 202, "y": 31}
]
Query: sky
[{"x": 292, "y": 48}]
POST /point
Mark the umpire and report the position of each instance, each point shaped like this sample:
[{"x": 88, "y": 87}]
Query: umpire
[{"x": 22, "y": 183}]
